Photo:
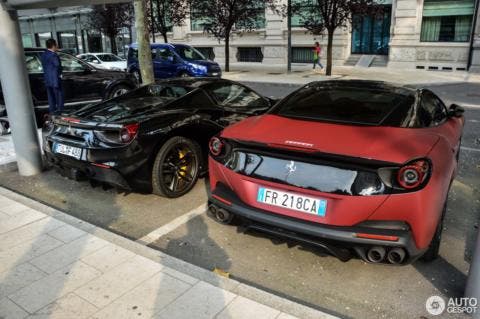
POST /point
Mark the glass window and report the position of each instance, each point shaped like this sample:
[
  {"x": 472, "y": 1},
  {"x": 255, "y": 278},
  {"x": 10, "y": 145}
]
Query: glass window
[
  {"x": 197, "y": 21},
  {"x": 27, "y": 41},
  {"x": 70, "y": 64},
  {"x": 189, "y": 53},
  {"x": 41, "y": 38},
  {"x": 232, "y": 95},
  {"x": 256, "y": 19},
  {"x": 207, "y": 52},
  {"x": 33, "y": 63},
  {"x": 249, "y": 54},
  {"x": 108, "y": 58},
  {"x": 163, "y": 54},
  {"x": 432, "y": 111},
  {"x": 344, "y": 104},
  {"x": 68, "y": 41},
  {"x": 447, "y": 20},
  {"x": 302, "y": 54},
  {"x": 302, "y": 11}
]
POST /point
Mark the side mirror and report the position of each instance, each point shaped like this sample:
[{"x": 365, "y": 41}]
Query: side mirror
[
  {"x": 170, "y": 58},
  {"x": 456, "y": 110}
]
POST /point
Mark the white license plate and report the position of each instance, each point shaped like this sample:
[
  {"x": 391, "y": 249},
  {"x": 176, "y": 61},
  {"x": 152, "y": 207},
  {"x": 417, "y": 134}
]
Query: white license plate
[
  {"x": 68, "y": 150},
  {"x": 300, "y": 203}
]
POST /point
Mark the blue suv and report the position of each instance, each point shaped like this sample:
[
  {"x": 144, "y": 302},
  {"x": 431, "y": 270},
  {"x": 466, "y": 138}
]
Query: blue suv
[{"x": 174, "y": 60}]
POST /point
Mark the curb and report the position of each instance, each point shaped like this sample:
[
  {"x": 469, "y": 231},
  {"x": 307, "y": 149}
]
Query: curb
[{"x": 180, "y": 267}]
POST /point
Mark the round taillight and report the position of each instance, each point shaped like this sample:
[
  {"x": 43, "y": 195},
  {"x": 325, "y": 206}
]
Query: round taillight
[
  {"x": 216, "y": 146},
  {"x": 128, "y": 132},
  {"x": 413, "y": 174}
]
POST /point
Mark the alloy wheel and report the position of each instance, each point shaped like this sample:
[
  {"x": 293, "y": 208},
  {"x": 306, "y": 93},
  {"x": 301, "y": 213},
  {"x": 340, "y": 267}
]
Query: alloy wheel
[{"x": 179, "y": 168}]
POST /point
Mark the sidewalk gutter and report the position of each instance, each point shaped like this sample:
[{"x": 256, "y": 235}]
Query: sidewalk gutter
[{"x": 269, "y": 299}]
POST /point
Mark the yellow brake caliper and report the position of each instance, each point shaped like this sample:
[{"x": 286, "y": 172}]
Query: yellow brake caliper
[{"x": 183, "y": 169}]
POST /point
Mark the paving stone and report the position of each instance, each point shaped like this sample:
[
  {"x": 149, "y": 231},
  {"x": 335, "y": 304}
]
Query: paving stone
[
  {"x": 70, "y": 306},
  {"x": 5, "y": 201},
  {"x": 9, "y": 310},
  {"x": 20, "y": 220},
  {"x": 68, "y": 253},
  {"x": 17, "y": 278},
  {"x": 146, "y": 299},
  {"x": 118, "y": 281},
  {"x": 108, "y": 257},
  {"x": 203, "y": 301},
  {"x": 26, "y": 251},
  {"x": 243, "y": 308},
  {"x": 18, "y": 236},
  {"x": 67, "y": 233},
  {"x": 54, "y": 286}
]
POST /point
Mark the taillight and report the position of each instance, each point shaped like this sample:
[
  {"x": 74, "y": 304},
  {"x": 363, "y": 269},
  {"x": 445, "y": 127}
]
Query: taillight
[
  {"x": 216, "y": 146},
  {"x": 413, "y": 174},
  {"x": 128, "y": 132}
]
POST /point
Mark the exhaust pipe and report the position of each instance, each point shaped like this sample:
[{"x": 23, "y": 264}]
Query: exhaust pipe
[
  {"x": 376, "y": 254},
  {"x": 396, "y": 256},
  {"x": 221, "y": 215}
]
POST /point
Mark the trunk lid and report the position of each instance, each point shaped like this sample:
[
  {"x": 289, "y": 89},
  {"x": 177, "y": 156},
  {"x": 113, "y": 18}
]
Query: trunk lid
[{"x": 388, "y": 144}]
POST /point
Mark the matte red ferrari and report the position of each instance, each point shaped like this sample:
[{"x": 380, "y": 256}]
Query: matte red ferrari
[{"x": 355, "y": 167}]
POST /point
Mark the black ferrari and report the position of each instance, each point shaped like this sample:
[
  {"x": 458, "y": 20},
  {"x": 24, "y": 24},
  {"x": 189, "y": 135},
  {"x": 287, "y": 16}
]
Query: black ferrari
[{"x": 154, "y": 138}]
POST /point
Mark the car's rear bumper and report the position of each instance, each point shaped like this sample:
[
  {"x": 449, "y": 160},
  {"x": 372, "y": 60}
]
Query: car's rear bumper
[
  {"x": 335, "y": 239},
  {"x": 116, "y": 171}
]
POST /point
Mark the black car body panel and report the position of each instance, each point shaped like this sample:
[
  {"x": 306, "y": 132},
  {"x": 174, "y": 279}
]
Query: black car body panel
[
  {"x": 82, "y": 83},
  {"x": 196, "y": 108}
]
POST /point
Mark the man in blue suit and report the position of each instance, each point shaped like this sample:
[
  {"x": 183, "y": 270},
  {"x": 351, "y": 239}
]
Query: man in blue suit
[{"x": 52, "y": 72}]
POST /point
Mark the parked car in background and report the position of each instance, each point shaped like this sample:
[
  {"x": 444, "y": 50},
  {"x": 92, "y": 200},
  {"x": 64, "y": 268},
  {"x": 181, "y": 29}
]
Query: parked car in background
[
  {"x": 107, "y": 61},
  {"x": 363, "y": 169},
  {"x": 154, "y": 138},
  {"x": 174, "y": 60},
  {"x": 82, "y": 83}
]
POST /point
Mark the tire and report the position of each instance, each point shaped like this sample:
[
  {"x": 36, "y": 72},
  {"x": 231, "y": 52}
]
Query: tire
[
  {"x": 118, "y": 90},
  {"x": 4, "y": 128},
  {"x": 169, "y": 178},
  {"x": 433, "y": 250}
]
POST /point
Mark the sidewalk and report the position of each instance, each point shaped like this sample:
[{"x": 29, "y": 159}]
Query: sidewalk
[
  {"x": 303, "y": 73},
  {"x": 53, "y": 265}
]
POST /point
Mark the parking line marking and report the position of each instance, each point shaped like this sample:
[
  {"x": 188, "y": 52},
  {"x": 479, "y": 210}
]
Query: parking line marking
[
  {"x": 464, "y": 148},
  {"x": 177, "y": 222}
]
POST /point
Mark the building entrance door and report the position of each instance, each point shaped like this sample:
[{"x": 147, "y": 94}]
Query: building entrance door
[{"x": 371, "y": 34}]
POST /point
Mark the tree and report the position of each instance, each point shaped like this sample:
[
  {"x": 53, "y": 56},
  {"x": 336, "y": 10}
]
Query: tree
[
  {"x": 110, "y": 19},
  {"x": 222, "y": 17},
  {"x": 318, "y": 16},
  {"x": 167, "y": 13},
  {"x": 143, "y": 41}
]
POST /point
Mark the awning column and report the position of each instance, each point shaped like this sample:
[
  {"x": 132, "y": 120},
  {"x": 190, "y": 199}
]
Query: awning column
[{"x": 17, "y": 94}]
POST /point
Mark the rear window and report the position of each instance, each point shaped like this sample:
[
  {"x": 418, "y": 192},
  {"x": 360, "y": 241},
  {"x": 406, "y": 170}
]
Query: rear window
[
  {"x": 108, "y": 58},
  {"x": 346, "y": 104}
]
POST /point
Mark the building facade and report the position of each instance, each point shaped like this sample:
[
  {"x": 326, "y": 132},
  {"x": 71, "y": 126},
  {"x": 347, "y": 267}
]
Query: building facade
[
  {"x": 69, "y": 26},
  {"x": 412, "y": 34}
]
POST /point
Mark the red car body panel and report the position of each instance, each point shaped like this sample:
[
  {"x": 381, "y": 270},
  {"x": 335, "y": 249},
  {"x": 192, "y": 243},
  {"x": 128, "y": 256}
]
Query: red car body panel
[{"x": 420, "y": 209}]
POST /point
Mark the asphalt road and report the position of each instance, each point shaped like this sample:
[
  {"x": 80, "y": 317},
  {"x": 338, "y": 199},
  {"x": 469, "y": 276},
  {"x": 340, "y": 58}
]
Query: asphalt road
[{"x": 353, "y": 289}]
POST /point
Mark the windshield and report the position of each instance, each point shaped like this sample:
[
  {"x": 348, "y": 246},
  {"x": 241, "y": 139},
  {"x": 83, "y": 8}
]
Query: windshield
[
  {"x": 109, "y": 58},
  {"x": 144, "y": 99},
  {"x": 345, "y": 104},
  {"x": 189, "y": 53}
]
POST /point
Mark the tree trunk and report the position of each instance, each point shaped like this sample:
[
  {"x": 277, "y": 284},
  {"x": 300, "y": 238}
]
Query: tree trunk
[
  {"x": 143, "y": 40},
  {"x": 165, "y": 39},
  {"x": 113, "y": 44},
  {"x": 329, "y": 52},
  {"x": 227, "y": 52}
]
